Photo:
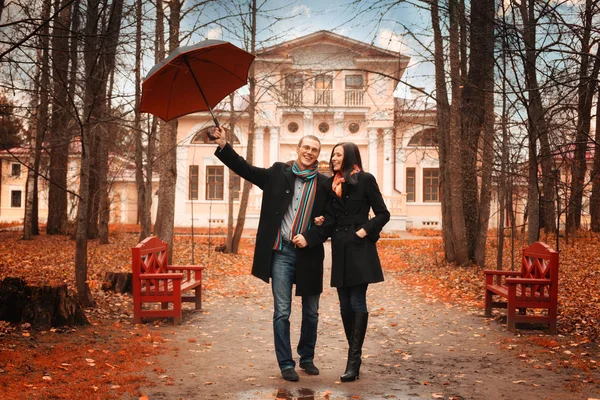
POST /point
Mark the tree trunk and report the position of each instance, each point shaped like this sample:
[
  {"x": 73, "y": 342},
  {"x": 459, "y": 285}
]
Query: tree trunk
[
  {"x": 59, "y": 137},
  {"x": 443, "y": 124},
  {"x": 459, "y": 234},
  {"x": 40, "y": 103},
  {"x": 487, "y": 168},
  {"x": 538, "y": 130},
  {"x": 43, "y": 307},
  {"x": 143, "y": 213},
  {"x": 474, "y": 113},
  {"x": 165, "y": 222},
  {"x": 241, "y": 220},
  {"x": 229, "y": 240},
  {"x": 588, "y": 81},
  {"x": 595, "y": 177}
]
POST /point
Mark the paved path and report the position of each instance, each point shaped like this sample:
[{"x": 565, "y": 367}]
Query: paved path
[{"x": 416, "y": 347}]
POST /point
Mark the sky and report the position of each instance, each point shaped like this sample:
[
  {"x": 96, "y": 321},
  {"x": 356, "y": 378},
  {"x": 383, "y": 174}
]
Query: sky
[{"x": 400, "y": 26}]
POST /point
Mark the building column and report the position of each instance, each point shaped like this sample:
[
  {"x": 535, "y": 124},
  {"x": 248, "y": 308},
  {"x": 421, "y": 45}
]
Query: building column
[
  {"x": 308, "y": 123},
  {"x": 388, "y": 162},
  {"x": 338, "y": 129},
  {"x": 373, "y": 151},
  {"x": 274, "y": 144},
  {"x": 259, "y": 147},
  {"x": 124, "y": 209}
]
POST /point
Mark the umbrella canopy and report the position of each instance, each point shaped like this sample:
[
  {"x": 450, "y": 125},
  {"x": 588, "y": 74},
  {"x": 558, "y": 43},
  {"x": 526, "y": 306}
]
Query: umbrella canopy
[{"x": 194, "y": 78}]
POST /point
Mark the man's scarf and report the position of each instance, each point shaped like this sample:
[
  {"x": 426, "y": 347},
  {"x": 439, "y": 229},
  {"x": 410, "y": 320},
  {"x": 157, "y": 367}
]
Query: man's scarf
[
  {"x": 307, "y": 199},
  {"x": 336, "y": 186}
]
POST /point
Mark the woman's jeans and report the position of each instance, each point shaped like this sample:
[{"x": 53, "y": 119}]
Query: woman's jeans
[
  {"x": 353, "y": 298},
  {"x": 283, "y": 273}
]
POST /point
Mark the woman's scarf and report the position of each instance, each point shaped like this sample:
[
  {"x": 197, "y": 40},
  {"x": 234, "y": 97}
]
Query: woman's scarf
[
  {"x": 302, "y": 220},
  {"x": 338, "y": 179}
]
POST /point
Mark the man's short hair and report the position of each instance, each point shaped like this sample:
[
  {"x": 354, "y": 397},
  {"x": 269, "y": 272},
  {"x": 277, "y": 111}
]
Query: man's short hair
[{"x": 311, "y": 137}]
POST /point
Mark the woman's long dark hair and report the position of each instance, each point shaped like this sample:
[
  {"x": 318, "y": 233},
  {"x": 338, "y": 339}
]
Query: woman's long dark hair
[{"x": 351, "y": 158}]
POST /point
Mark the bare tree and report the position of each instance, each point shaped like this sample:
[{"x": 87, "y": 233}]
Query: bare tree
[{"x": 168, "y": 150}]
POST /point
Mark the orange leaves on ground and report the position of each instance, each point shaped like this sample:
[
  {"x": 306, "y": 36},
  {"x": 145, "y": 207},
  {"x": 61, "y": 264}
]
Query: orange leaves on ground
[
  {"x": 92, "y": 363},
  {"x": 421, "y": 264}
]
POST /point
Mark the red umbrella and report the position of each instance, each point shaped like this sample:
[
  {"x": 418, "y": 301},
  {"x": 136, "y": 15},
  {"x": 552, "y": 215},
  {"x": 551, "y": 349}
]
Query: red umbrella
[{"x": 194, "y": 78}]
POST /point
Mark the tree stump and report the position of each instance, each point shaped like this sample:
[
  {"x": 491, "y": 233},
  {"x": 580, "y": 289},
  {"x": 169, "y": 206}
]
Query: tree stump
[
  {"x": 120, "y": 282},
  {"x": 42, "y": 306}
]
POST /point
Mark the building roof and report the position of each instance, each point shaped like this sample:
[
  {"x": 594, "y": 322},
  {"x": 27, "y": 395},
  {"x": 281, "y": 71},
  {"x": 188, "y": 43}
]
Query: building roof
[{"x": 366, "y": 49}]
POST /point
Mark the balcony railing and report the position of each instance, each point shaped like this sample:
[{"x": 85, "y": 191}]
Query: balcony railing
[
  {"x": 293, "y": 97},
  {"x": 323, "y": 97},
  {"x": 354, "y": 97}
]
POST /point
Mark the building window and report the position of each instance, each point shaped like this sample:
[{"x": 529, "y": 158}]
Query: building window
[
  {"x": 193, "y": 182},
  {"x": 354, "y": 127},
  {"x": 15, "y": 170},
  {"x": 354, "y": 81},
  {"x": 323, "y": 89},
  {"x": 323, "y": 127},
  {"x": 410, "y": 184},
  {"x": 214, "y": 182},
  {"x": 15, "y": 198},
  {"x": 431, "y": 184},
  {"x": 293, "y": 89},
  {"x": 202, "y": 137},
  {"x": 354, "y": 94},
  {"x": 236, "y": 186},
  {"x": 324, "y": 168},
  {"x": 293, "y": 127},
  {"x": 427, "y": 137}
]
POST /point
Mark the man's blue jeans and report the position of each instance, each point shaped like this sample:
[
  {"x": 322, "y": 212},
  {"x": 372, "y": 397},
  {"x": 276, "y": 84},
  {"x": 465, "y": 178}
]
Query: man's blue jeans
[{"x": 283, "y": 272}]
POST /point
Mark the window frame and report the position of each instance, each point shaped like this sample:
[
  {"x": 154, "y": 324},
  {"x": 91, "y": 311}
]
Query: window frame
[
  {"x": 212, "y": 185},
  {"x": 352, "y": 86},
  {"x": 428, "y": 185},
  {"x": 193, "y": 182},
  {"x": 411, "y": 188},
  {"x": 13, "y": 198},
  {"x": 12, "y": 170}
]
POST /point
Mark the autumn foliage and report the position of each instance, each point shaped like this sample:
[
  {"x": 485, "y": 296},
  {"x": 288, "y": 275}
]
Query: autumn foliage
[{"x": 108, "y": 358}]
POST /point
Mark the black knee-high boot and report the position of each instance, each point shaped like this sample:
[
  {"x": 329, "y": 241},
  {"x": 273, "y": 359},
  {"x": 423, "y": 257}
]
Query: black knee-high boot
[
  {"x": 359, "y": 329},
  {"x": 348, "y": 321}
]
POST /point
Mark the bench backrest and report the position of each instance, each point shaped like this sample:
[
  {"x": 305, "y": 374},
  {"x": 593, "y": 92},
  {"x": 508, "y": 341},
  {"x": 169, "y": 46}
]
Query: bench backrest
[
  {"x": 540, "y": 262},
  {"x": 150, "y": 256}
]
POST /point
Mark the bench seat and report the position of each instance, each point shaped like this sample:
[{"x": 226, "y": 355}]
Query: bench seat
[
  {"x": 535, "y": 287},
  {"x": 155, "y": 281}
]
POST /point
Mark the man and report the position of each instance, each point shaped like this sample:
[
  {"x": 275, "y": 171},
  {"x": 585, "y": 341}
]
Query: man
[{"x": 293, "y": 196}]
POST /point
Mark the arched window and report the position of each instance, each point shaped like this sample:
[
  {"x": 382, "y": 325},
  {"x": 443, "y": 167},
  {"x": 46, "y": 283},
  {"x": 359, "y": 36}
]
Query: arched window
[
  {"x": 324, "y": 168},
  {"x": 427, "y": 137},
  {"x": 202, "y": 138}
]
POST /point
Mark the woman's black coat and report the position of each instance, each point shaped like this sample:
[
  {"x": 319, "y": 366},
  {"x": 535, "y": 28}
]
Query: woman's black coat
[
  {"x": 354, "y": 260},
  {"x": 277, "y": 184}
]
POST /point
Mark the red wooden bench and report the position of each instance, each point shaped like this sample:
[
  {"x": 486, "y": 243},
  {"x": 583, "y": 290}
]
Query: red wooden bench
[
  {"x": 154, "y": 281},
  {"x": 534, "y": 287}
]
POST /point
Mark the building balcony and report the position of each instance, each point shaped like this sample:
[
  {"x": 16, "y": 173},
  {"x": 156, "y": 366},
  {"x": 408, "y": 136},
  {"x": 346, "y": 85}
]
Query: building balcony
[{"x": 323, "y": 97}]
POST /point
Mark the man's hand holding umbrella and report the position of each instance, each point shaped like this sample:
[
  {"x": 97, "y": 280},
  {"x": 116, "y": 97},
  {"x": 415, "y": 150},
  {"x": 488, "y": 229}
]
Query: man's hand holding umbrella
[{"x": 219, "y": 136}]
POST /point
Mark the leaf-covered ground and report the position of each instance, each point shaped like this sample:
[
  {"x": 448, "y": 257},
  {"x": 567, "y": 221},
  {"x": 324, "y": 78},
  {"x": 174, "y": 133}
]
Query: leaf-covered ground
[
  {"x": 105, "y": 359},
  {"x": 422, "y": 262}
]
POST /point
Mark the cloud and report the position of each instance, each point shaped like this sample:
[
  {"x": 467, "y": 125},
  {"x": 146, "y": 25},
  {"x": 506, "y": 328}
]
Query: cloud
[
  {"x": 214, "y": 33},
  {"x": 391, "y": 40},
  {"x": 301, "y": 10}
]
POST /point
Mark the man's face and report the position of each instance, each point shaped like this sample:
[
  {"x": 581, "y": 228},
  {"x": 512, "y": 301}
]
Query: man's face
[{"x": 308, "y": 152}]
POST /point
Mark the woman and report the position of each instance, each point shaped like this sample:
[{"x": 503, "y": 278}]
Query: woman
[{"x": 355, "y": 262}]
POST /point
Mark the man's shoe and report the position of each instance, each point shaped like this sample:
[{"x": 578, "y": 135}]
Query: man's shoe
[
  {"x": 309, "y": 368},
  {"x": 289, "y": 374}
]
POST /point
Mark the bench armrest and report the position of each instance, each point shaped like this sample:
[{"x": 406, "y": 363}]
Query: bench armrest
[
  {"x": 527, "y": 281},
  {"x": 161, "y": 276},
  {"x": 187, "y": 267},
  {"x": 500, "y": 272}
]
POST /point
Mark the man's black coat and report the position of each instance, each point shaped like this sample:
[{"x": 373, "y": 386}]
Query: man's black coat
[{"x": 277, "y": 184}]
